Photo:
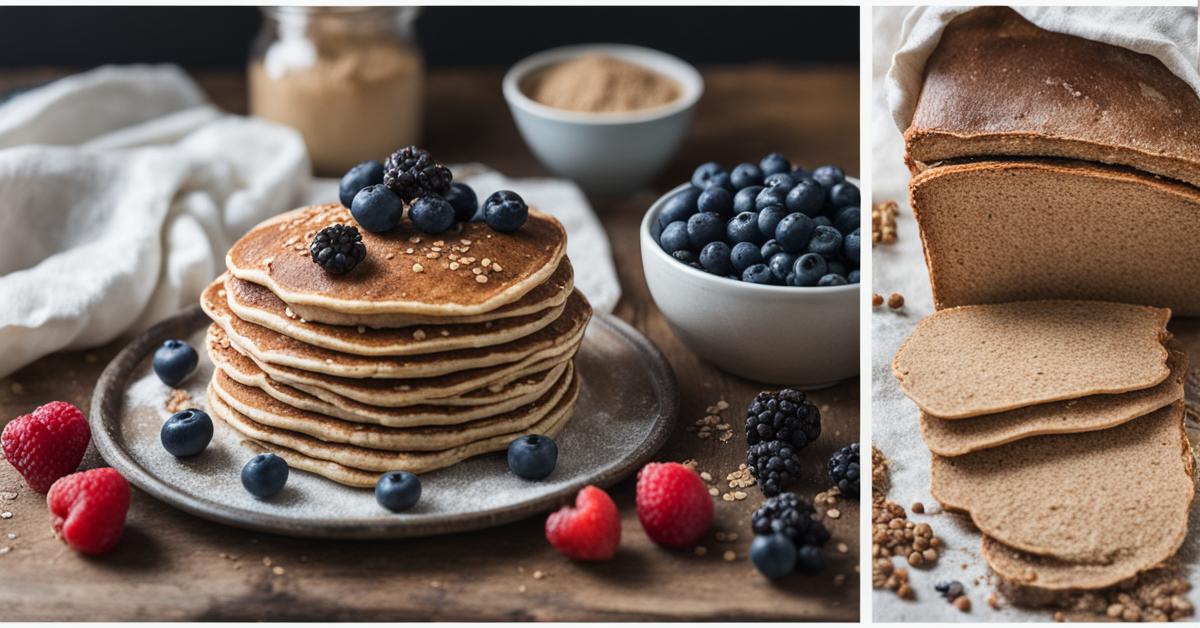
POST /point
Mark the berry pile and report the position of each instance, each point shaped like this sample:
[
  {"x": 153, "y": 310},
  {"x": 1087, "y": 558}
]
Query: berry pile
[
  {"x": 778, "y": 426},
  {"x": 766, "y": 224},
  {"x": 844, "y": 469},
  {"x": 788, "y": 538}
]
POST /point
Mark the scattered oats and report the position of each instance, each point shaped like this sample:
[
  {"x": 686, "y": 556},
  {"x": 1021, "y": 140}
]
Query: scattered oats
[
  {"x": 539, "y": 575},
  {"x": 6, "y": 515},
  {"x": 727, "y": 497},
  {"x": 843, "y": 548},
  {"x": 465, "y": 242},
  {"x": 11, "y": 535},
  {"x": 408, "y": 251},
  {"x": 496, "y": 268},
  {"x": 389, "y": 256},
  {"x": 445, "y": 333},
  {"x": 329, "y": 360},
  {"x": 486, "y": 262},
  {"x": 477, "y": 270},
  {"x": 419, "y": 334},
  {"x": 883, "y": 222},
  {"x": 279, "y": 571},
  {"x": 362, "y": 330},
  {"x": 287, "y": 311},
  {"x": 481, "y": 278},
  {"x": 432, "y": 255},
  {"x": 178, "y": 400},
  {"x": 415, "y": 240},
  {"x": 729, "y": 555},
  {"x": 521, "y": 589},
  {"x": 706, "y": 476},
  {"x": 436, "y": 249},
  {"x": 700, "y": 550},
  {"x": 833, "y": 513},
  {"x": 722, "y": 405},
  {"x": 435, "y": 584},
  {"x": 4, "y": 550},
  {"x": 417, "y": 268},
  {"x": 453, "y": 265},
  {"x": 8, "y": 495},
  {"x": 266, "y": 561},
  {"x": 739, "y": 495}
]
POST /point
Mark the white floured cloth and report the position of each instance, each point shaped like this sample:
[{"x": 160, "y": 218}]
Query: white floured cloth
[{"x": 122, "y": 188}]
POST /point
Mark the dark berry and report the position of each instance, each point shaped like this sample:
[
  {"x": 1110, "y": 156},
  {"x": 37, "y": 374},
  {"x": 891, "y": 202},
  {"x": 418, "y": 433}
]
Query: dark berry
[
  {"x": 532, "y": 456},
  {"x": 265, "y": 475},
  {"x": 704, "y": 174},
  {"x": 717, "y": 201},
  {"x": 714, "y": 257},
  {"x": 338, "y": 248},
  {"x": 792, "y": 517},
  {"x": 851, "y": 246},
  {"x": 746, "y": 175},
  {"x": 794, "y": 232},
  {"x": 769, "y": 249},
  {"x": 781, "y": 265},
  {"x": 853, "y": 276},
  {"x": 828, "y": 176},
  {"x": 656, "y": 230},
  {"x": 377, "y": 209},
  {"x": 825, "y": 241},
  {"x": 808, "y": 270},
  {"x": 398, "y": 490},
  {"x": 847, "y": 219},
  {"x": 464, "y": 201},
  {"x": 774, "y": 163},
  {"x": 810, "y": 559},
  {"x": 186, "y": 433},
  {"x": 800, "y": 174},
  {"x": 744, "y": 255},
  {"x": 768, "y": 197},
  {"x": 744, "y": 228},
  {"x": 778, "y": 425},
  {"x": 703, "y": 228},
  {"x": 679, "y": 206},
  {"x": 687, "y": 257},
  {"x": 822, "y": 221},
  {"x": 505, "y": 211},
  {"x": 832, "y": 279},
  {"x": 781, "y": 181},
  {"x": 806, "y": 197},
  {"x": 768, "y": 221},
  {"x": 773, "y": 555},
  {"x": 836, "y": 266},
  {"x": 412, "y": 173},
  {"x": 843, "y": 469},
  {"x": 759, "y": 274},
  {"x": 173, "y": 361},
  {"x": 843, "y": 194},
  {"x": 950, "y": 589},
  {"x": 432, "y": 214},
  {"x": 675, "y": 237},
  {"x": 360, "y": 176},
  {"x": 743, "y": 200}
]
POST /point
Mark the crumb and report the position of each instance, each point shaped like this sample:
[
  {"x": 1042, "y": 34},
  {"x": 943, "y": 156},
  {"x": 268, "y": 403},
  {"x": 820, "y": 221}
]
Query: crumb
[
  {"x": 178, "y": 400},
  {"x": 895, "y": 301}
]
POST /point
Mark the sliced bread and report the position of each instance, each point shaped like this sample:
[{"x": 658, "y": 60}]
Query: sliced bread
[{"x": 1044, "y": 573}]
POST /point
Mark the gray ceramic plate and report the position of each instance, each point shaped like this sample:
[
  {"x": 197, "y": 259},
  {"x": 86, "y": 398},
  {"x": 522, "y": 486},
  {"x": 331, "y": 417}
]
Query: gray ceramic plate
[{"x": 626, "y": 409}]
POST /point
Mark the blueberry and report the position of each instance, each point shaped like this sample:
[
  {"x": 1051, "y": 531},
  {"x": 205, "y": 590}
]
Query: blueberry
[
  {"x": 721, "y": 181},
  {"x": 265, "y": 475},
  {"x": 656, "y": 229},
  {"x": 774, "y": 163},
  {"x": 532, "y": 456},
  {"x": 744, "y": 255},
  {"x": 432, "y": 214},
  {"x": 464, "y": 201},
  {"x": 800, "y": 174},
  {"x": 703, "y": 228},
  {"x": 743, "y": 201},
  {"x": 828, "y": 176},
  {"x": 746, "y": 175},
  {"x": 687, "y": 257},
  {"x": 806, "y": 197},
  {"x": 744, "y": 228},
  {"x": 832, "y": 279},
  {"x": 781, "y": 181},
  {"x": 770, "y": 248},
  {"x": 836, "y": 266},
  {"x": 505, "y": 211},
  {"x": 781, "y": 265},
  {"x": 853, "y": 276},
  {"x": 768, "y": 219},
  {"x": 377, "y": 209},
  {"x": 773, "y": 555},
  {"x": 174, "y": 360},
  {"x": 715, "y": 258},
  {"x": 679, "y": 206},
  {"x": 717, "y": 201},
  {"x": 809, "y": 559},
  {"x": 794, "y": 232},
  {"x": 186, "y": 433},
  {"x": 851, "y": 246},
  {"x": 825, "y": 241},
  {"x": 759, "y": 274},
  {"x": 843, "y": 194},
  {"x": 808, "y": 270},
  {"x": 847, "y": 219},
  {"x": 769, "y": 196},
  {"x": 398, "y": 490},
  {"x": 675, "y": 237},
  {"x": 360, "y": 176},
  {"x": 705, "y": 173},
  {"x": 822, "y": 221}
]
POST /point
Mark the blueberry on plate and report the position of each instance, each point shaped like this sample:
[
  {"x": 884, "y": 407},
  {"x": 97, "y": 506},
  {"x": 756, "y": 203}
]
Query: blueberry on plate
[
  {"x": 377, "y": 209},
  {"x": 744, "y": 255},
  {"x": 781, "y": 181},
  {"x": 265, "y": 475},
  {"x": 769, "y": 196},
  {"x": 773, "y": 555},
  {"x": 186, "y": 433},
  {"x": 532, "y": 456},
  {"x": 770, "y": 248},
  {"x": 432, "y": 214},
  {"x": 464, "y": 201},
  {"x": 715, "y": 258},
  {"x": 505, "y": 211},
  {"x": 781, "y": 265},
  {"x": 808, "y": 270},
  {"x": 746, "y": 175},
  {"x": 768, "y": 220},
  {"x": 717, "y": 201},
  {"x": 853, "y": 276},
  {"x": 774, "y": 163},
  {"x": 825, "y": 241},
  {"x": 843, "y": 194},
  {"x": 794, "y": 232},
  {"x": 679, "y": 206},
  {"x": 759, "y": 274},
  {"x": 360, "y": 176},
  {"x": 832, "y": 279},
  {"x": 807, "y": 197},
  {"x": 174, "y": 360},
  {"x": 828, "y": 176},
  {"x": 744, "y": 228},
  {"x": 675, "y": 237},
  {"x": 847, "y": 219},
  {"x": 851, "y": 246},
  {"x": 744, "y": 199},
  {"x": 704, "y": 174},
  {"x": 703, "y": 228},
  {"x": 810, "y": 559},
  {"x": 398, "y": 490}
]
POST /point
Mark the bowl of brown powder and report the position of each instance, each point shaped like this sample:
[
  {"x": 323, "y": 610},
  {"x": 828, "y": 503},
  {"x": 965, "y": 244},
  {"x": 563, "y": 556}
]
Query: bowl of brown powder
[{"x": 607, "y": 116}]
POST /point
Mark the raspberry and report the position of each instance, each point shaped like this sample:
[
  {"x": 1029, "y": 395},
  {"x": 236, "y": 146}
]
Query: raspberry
[
  {"x": 589, "y": 531},
  {"x": 46, "y": 444},
  {"x": 89, "y": 508},
  {"x": 673, "y": 504}
]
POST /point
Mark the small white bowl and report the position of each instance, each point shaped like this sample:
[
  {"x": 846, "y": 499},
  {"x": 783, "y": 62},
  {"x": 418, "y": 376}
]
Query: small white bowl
[
  {"x": 781, "y": 335},
  {"x": 605, "y": 153}
]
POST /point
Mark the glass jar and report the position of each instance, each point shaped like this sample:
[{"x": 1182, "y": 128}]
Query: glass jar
[{"x": 350, "y": 80}]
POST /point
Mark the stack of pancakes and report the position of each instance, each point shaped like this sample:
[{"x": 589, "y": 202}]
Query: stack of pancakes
[
  {"x": 1058, "y": 426},
  {"x": 432, "y": 350}
]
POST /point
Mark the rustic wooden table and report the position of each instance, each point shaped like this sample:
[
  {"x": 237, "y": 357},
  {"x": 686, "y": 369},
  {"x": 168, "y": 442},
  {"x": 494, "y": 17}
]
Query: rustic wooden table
[{"x": 172, "y": 566}]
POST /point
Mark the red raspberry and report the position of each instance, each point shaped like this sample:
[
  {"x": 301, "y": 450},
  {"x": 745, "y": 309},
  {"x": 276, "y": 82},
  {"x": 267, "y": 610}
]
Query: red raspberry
[
  {"x": 589, "y": 531},
  {"x": 46, "y": 444},
  {"x": 89, "y": 509},
  {"x": 673, "y": 504}
]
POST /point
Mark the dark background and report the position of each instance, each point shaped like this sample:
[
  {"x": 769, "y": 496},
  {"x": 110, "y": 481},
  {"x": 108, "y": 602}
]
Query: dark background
[{"x": 220, "y": 37}]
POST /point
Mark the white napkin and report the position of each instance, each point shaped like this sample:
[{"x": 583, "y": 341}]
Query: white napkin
[{"x": 123, "y": 187}]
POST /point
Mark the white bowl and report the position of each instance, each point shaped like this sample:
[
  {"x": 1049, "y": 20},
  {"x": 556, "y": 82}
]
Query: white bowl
[
  {"x": 605, "y": 153},
  {"x": 781, "y": 335}
]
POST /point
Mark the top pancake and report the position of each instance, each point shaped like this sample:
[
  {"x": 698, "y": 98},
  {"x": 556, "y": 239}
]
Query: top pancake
[
  {"x": 982, "y": 359},
  {"x": 405, "y": 271}
]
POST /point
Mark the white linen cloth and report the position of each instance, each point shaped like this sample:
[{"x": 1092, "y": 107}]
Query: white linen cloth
[{"x": 122, "y": 188}]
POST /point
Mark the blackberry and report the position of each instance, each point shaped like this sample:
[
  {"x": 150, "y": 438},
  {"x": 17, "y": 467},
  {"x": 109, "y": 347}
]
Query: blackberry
[
  {"x": 778, "y": 426},
  {"x": 338, "y": 248},
  {"x": 843, "y": 469},
  {"x": 792, "y": 517},
  {"x": 412, "y": 173}
]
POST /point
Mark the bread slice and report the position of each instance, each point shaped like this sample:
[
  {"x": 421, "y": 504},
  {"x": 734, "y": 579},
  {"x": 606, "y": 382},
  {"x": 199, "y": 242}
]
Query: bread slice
[
  {"x": 998, "y": 85},
  {"x": 999, "y": 231},
  {"x": 1047, "y": 574},
  {"x": 955, "y": 437},
  {"x": 1120, "y": 495},
  {"x": 983, "y": 359}
]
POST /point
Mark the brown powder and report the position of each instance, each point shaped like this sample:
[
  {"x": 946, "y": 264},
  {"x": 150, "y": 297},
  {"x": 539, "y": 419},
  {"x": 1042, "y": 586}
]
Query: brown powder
[{"x": 597, "y": 83}]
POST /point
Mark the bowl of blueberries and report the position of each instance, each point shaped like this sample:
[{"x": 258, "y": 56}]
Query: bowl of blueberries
[{"x": 756, "y": 269}]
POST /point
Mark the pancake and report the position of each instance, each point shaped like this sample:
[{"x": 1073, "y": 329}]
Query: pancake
[
  {"x": 275, "y": 348},
  {"x": 476, "y": 404},
  {"x": 256, "y": 304},
  {"x": 1095, "y": 497},
  {"x": 266, "y": 410},
  {"x": 982, "y": 359},
  {"x": 956, "y": 437},
  {"x": 393, "y": 280},
  {"x": 379, "y": 461}
]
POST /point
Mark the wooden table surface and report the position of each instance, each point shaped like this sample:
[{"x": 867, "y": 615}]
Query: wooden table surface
[{"x": 172, "y": 566}]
